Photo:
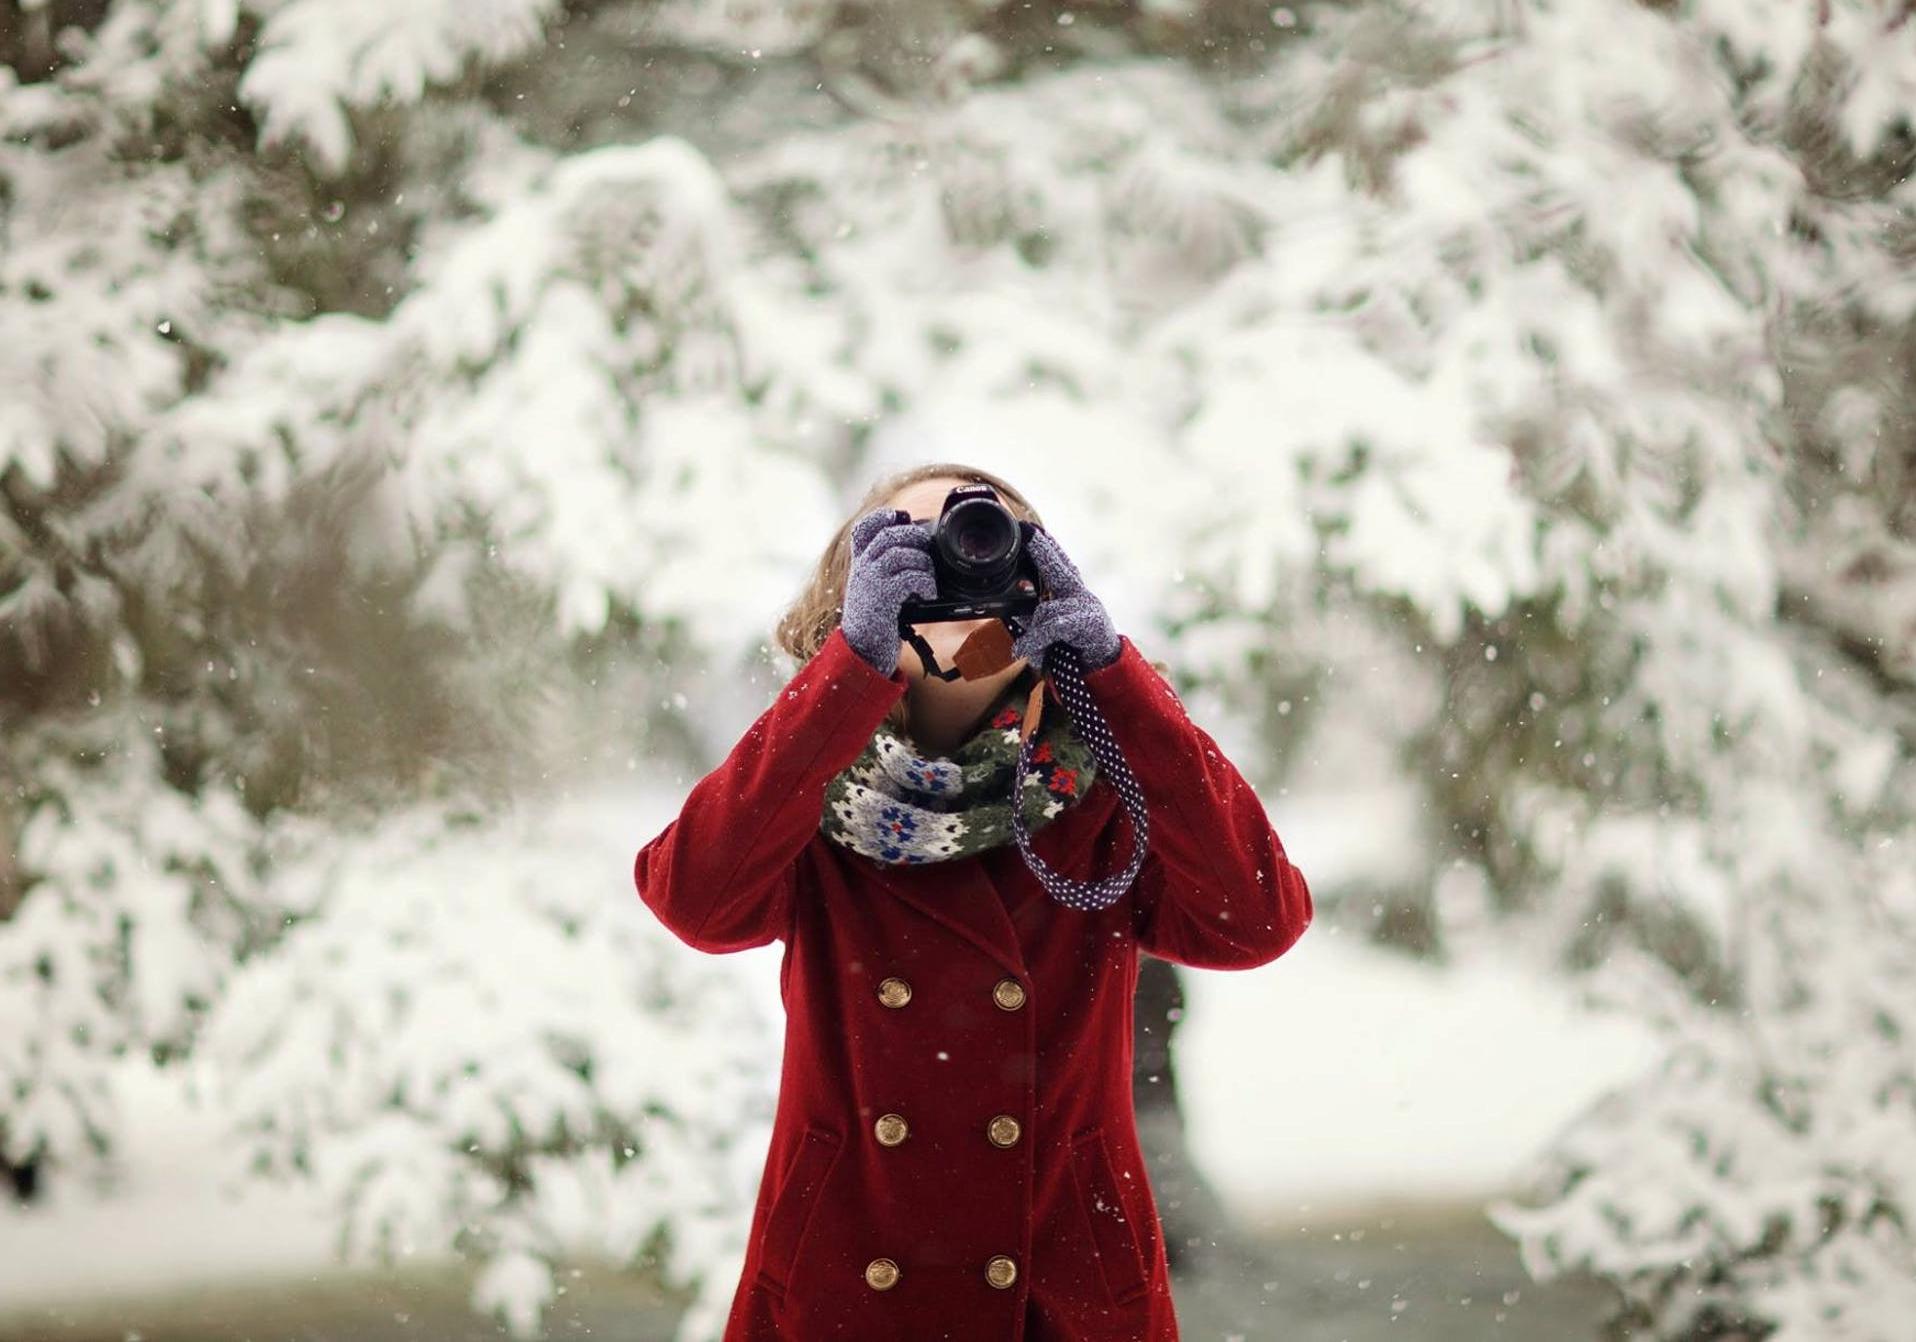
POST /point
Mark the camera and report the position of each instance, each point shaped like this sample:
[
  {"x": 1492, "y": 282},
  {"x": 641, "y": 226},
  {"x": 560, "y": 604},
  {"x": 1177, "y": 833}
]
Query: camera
[{"x": 982, "y": 563}]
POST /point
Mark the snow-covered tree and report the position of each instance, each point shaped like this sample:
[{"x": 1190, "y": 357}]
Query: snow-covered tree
[
  {"x": 386, "y": 407},
  {"x": 1554, "y": 342}
]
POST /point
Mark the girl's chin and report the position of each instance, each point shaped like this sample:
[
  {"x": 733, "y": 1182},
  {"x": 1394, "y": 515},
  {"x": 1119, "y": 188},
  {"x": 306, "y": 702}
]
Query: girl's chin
[
  {"x": 943, "y": 646},
  {"x": 945, "y": 640},
  {"x": 916, "y": 678}
]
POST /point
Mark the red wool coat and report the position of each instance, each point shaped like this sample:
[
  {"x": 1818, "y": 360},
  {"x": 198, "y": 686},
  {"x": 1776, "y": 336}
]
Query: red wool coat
[{"x": 954, "y": 1154}]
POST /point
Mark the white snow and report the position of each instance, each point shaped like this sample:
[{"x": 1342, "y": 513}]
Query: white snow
[
  {"x": 168, "y": 1225},
  {"x": 1342, "y": 1073},
  {"x": 1337, "y": 1072}
]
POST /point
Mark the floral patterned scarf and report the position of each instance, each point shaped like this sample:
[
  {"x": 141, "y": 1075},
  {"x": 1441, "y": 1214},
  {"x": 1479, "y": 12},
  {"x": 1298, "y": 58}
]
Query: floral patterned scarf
[{"x": 897, "y": 805}]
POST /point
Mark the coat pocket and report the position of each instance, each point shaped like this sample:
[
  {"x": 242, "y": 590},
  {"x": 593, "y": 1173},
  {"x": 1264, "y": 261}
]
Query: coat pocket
[
  {"x": 1114, "y": 1233},
  {"x": 792, "y": 1205}
]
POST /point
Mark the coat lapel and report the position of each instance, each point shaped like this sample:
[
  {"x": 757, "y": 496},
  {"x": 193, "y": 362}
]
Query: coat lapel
[{"x": 961, "y": 896}]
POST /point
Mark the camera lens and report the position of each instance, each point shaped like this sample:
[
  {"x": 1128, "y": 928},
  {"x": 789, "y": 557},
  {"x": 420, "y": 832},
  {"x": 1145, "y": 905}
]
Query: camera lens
[
  {"x": 978, "y": 546},
  {"x": 981, "y": 533}
]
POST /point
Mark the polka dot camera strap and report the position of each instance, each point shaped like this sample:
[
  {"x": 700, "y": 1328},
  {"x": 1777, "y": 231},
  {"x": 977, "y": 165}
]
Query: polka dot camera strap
[{"x": 1066, "y": 670}]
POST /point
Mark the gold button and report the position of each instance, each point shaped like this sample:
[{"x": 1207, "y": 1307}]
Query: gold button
[
  {"x": 894, "y": 992},
  {"x": 891, "y": 1129},
  {"x": 1009, "y": 994},
  {"x": 881, "y": 1274},
  {"x": 1004, "y": 1130},
  {"x": 1001, "y": 1271}
]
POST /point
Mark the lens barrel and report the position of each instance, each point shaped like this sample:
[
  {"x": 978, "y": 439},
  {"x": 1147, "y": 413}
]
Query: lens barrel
[{"x": 978, "y": 543}]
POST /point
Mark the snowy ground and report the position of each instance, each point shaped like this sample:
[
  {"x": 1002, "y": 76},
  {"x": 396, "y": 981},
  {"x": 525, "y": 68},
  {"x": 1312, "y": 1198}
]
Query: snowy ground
[
  {"x": 1334, "y": 1077},
  {"x": 1338, "y": 1074}
]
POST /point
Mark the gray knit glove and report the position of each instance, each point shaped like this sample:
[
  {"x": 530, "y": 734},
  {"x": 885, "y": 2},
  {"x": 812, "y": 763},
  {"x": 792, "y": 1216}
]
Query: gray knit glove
[
  {"x": 891, "y": 564},
  {"x": 1068, "y": 614}
]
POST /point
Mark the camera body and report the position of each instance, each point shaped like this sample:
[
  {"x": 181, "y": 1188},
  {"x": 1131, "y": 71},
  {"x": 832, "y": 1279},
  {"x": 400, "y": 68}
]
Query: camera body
[{"x": 981, "y": 561}]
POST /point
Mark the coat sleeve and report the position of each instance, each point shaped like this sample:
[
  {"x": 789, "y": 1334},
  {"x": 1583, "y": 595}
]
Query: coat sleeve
[
  {"x": 1216, "y": 890},
  {"x": 722, "y": 875}
]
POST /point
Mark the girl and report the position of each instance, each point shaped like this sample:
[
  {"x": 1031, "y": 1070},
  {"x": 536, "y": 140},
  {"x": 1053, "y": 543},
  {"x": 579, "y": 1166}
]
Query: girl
[{"x": 954, "y": 1154}]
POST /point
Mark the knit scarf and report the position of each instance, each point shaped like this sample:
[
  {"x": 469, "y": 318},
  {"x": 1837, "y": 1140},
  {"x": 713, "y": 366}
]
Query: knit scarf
[{"x": 898, "y": 805}]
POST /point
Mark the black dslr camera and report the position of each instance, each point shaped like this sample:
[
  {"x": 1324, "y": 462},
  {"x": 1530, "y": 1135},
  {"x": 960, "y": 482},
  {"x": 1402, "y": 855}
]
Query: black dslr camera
[{"x": 983, "y": 566}]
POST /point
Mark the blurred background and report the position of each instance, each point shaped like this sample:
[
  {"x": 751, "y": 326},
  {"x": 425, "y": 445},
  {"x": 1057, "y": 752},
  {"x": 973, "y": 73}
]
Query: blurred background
[{"x": 415, "y": 414}]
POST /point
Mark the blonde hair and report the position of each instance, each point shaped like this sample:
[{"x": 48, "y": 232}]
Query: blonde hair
[{"x": 812, "y": 617}]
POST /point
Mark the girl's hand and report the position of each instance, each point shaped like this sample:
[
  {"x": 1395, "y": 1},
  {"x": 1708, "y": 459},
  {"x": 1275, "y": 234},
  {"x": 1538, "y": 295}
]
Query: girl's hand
[
  {"x": 1068, "y": 613},
  {"x": 891, "y": 563}
]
